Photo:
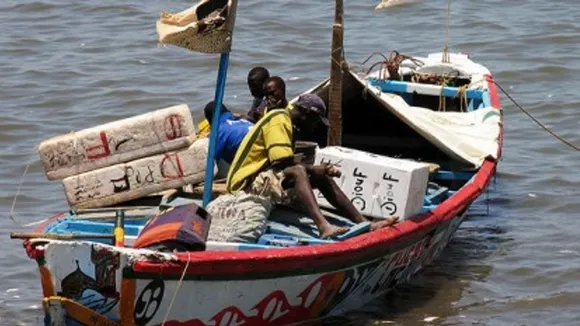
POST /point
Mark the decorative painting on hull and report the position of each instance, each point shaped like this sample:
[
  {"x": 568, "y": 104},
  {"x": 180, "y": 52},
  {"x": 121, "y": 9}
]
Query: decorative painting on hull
[
  {"x": 279, "y": 301},
  {"x": 92, "y": 283}
]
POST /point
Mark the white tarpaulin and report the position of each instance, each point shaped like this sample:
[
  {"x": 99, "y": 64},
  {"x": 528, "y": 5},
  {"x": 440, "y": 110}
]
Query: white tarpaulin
[
  {"x": 467, "y": 136},
  {"x": 206, "y": 27}
]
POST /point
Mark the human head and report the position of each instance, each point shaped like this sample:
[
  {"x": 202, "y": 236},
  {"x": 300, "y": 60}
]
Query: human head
[
  {"x": 275, "y": 92},
  {"x": 256, "y": 78},
  {"x": 209, "y": 109},
  {"x": 309, "y": 111}
]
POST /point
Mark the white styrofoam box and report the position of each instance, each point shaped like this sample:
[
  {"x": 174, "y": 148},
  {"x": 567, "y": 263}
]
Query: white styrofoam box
[
  {"x": 356, "y": 180},
  {"x": 127, "y": 181},
  {"x": 117, "y": 142},
  {"x": 378, "y": 186}
]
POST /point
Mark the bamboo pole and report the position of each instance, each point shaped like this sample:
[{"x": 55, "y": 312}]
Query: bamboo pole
[{"x": 335, "y": 94}]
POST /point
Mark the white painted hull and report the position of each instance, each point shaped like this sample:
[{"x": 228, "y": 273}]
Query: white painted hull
[{"x": 259, "y": 299}]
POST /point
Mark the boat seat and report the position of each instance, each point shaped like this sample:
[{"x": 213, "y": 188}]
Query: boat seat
[
  {"x": 278, "y": 240},
  {"x": 358, "y": 229},
  {"x": 285, "y": 221},
  {"x": 291, "y": 230},
  {"x": 435, "y": 194},
  {"x": 283, "y": 235},
  {"x": 288, "y": 221}
]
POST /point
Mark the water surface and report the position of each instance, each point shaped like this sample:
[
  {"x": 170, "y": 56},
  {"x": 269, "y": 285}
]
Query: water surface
[{"x": 68, "y": 65}]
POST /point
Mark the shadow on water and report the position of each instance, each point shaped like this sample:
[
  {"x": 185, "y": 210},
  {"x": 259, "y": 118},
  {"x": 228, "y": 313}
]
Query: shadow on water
[{"x": 434, "y": 292}]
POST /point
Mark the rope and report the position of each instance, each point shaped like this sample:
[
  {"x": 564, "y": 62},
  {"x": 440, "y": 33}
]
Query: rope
[
  {"x": 11, "y": 216},
  {"x": 442, "y": 98},
  {"x": 462, "y": 95},
  {"x": 445, "y": 57},
  {"x": 560, "y": 138},
  {"x": 176, "y": 290}
]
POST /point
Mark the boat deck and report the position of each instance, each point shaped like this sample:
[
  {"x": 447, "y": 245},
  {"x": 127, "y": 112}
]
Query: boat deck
[{"x": 287, "y": 227}]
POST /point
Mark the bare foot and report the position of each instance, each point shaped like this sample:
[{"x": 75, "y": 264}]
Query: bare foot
[
  {"x": 384, "y": 223},
  {"x": 332, "y": 230}
]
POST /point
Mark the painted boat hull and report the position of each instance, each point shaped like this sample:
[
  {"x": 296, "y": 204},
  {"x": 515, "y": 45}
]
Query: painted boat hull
[
  {"x": 254, "y": 296},
  {"x": 87, "y": 283}
]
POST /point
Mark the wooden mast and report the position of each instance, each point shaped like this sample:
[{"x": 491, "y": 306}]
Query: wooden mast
[{"x": 335, "y": 93}]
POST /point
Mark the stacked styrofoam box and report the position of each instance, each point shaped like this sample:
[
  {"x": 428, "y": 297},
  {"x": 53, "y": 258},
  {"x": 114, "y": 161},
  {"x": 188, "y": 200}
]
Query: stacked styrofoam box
[
  {"x": 131, "y": 180},
  {"x": 378, "y": 186},
  {"x": 117, "y": 142},
  {"x": 126, "y": 159}
]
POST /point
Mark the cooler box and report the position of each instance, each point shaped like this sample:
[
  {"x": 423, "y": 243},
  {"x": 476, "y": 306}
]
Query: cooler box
[
  {"x": 378, "y": 186},
  {"x": 135, "y": 179},
  {"x": 116, "y": 142}
]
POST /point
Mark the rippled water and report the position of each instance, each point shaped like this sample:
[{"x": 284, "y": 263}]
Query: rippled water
[{"x": 68, "y": 65}]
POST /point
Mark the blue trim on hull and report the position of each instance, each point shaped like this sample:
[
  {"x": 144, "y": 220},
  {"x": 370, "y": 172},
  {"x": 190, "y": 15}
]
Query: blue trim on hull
[{"x": 394, "y": 86}]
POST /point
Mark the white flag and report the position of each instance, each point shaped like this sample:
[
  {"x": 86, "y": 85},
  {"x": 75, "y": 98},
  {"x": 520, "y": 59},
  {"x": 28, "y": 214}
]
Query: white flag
[{"x": 206, "y": 27}]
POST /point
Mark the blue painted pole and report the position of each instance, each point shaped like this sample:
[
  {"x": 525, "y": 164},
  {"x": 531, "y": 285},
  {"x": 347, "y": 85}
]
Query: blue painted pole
[{"x": 219, "y": 96}]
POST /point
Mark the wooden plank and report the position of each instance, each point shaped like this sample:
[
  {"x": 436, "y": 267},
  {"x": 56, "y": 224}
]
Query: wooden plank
[
  {"x": 56, "y": 236},
  {"x": 336, "y": 63}
]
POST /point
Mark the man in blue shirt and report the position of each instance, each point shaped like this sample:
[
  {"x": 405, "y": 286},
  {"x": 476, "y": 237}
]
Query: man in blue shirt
[{"x": 231, "y": 132}]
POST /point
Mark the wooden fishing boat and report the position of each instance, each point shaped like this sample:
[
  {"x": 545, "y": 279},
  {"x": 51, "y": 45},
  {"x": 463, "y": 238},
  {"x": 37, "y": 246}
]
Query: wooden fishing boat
[
  {"x": 290, "y": 275},
  {"x": 421, "y": 109}
]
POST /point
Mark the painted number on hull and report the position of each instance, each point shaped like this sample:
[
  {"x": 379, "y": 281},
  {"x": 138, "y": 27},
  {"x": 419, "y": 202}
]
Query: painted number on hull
[{"x": 148, "y": 302}]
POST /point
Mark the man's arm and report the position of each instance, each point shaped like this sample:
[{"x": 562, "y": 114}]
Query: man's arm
[{"x": 255, "y": 114}]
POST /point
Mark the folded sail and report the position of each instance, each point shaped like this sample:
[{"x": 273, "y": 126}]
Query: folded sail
[
  {"x": 206, "y": 27},
  {"x": 469, "y": 137}
]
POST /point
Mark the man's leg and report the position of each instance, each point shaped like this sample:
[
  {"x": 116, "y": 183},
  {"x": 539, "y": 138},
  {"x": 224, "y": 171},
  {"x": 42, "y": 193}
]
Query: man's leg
[
  {"x": 337, "y": 198},
  {"x": 303, "y": 190}
]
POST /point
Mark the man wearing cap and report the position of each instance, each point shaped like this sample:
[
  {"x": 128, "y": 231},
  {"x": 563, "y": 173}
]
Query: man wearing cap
[
  {"x": 314, "y": 105},
  {"x": 264, "y": 164}
]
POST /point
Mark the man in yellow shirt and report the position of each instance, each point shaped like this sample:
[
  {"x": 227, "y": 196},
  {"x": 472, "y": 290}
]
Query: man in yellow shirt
[{"x": 264, "y": 163}]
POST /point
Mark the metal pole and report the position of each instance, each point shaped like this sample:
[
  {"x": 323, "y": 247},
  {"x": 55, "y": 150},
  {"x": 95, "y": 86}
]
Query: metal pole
[{"x": 219, "y": 96}]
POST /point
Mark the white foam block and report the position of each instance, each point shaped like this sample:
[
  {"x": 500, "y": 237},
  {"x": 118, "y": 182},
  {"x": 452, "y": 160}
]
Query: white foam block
[
  {"x": 127, "y": 181},
  {"x": 378, "y": 186},
  {"x": 117, "y": 142}
]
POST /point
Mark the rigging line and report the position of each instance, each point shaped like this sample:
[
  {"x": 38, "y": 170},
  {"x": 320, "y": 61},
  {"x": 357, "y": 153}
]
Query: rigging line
[
  {"x": 11, "y": 216},
  {"x": 176, "y": 290},
  {"x": 560, "y": 138},
  {"x": 445, "y": 56}
]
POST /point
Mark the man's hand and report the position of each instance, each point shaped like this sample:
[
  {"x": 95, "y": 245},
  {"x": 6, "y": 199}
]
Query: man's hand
[
  {"x": 255, "y": 115},
  {"x": 332, "y": 171},
  {"x": 325, "y": 169}
]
